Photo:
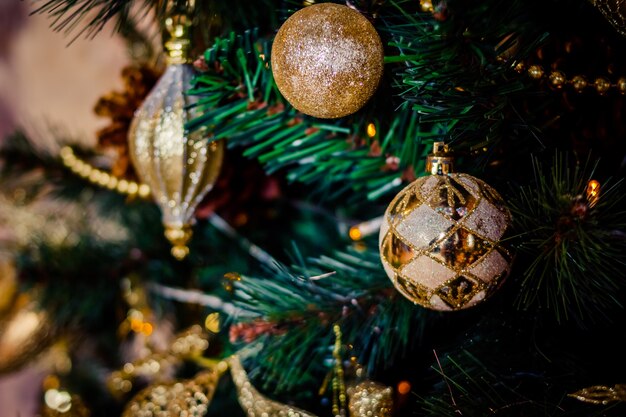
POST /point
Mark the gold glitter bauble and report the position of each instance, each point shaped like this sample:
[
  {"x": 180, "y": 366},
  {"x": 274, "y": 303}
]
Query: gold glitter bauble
[
  {"x": 370, "y": 399},
  {"x": 25, "y": 332},
  {"x": 327, "y": 60},
  {"x": 179, "y": 166},
  {"x": 440, "y": 241}
]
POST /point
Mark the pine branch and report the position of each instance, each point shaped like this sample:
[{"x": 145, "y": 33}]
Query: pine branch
[
  {"x": 297, "y": 307},
  {"x": 88, "y": 17},
  {"x": 67, "y": 15},
  {"x": 457, "y": 72},
  {"x": 240, "y": 102},
  {"x": 576, "y": 251}
]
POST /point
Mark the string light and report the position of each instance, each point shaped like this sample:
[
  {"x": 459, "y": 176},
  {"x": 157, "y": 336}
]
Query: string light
[
  {"x": 404, "y": 387},
  {"x": 593, "y": 192},
  {"x": 371, "y": 130},
  {"x": 365, "y": 229}
]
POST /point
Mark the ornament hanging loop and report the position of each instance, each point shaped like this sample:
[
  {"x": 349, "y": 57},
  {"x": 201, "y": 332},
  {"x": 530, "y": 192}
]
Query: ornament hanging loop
[{"x": 441, "y": 161}]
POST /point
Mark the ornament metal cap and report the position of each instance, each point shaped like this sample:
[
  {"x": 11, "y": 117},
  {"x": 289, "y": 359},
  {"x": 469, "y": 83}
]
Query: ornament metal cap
[
  {"x": 177, "y": 38},
  {"x": 441, "y": 161},
  {"x": 179, "y": 235}
]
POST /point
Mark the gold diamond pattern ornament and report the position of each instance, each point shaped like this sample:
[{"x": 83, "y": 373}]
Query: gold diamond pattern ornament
[
  {"x": 179, "y": 166},
  {"x": 440, "y": 238}
]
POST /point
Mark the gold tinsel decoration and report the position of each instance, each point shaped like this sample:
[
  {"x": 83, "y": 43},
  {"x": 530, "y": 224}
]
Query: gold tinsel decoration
[
  {"x": 440, "y": 239},
  {"x": 181, "y": 398},
  {"x": 601, "y": 394},
  {"x": 370, "y": 399},
  {"x": 179, "y": 166},
  {"x": 614, "y": 11},
  {"x": 327, "y": 60},
  {"x": 254, "y": 403}
]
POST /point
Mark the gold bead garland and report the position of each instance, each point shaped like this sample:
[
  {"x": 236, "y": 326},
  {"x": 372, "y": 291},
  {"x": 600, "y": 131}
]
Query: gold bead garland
[
  {"x": 557, "y": 80},
  {"x": 102, "y": 178}
]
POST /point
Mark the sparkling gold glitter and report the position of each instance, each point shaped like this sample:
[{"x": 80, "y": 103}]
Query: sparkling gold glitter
[
  {"x": 327, "y": 60},
  {"x": 614, "y": 11},
  {"x": 178, "y": 166},
  {"x": 188, "y": 344},
  {"x": 370, "y": 399},
  {"x": 440, "y": 241},
  {"x": 186, "y": 398},
  {"x": 255, "y": 404}
]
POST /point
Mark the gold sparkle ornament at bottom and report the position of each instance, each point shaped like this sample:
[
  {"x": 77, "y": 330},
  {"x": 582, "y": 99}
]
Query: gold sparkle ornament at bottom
[
  {"x": 370, "y": 399},
  {"x": 440, "y": 239},
  {"x": 191, "y": 397},
  {"x": 614, "y": 11},
  {"x": 327, "y": 60},
  {"x": 255, "y": 404}
]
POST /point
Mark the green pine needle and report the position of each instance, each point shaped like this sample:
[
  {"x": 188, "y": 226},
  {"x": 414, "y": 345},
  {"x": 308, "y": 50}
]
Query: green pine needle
[{"x": 576, "y": 251}]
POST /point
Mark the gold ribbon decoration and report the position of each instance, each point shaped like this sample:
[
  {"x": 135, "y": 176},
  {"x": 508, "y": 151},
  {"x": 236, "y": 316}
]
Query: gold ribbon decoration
[
  {"x": 614, "y": 11},
  {"x": 601, "y": 394},
  {"x": 253, "y": 402}
]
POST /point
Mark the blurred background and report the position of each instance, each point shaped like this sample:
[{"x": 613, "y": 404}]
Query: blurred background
[{"x": 48, "y": 85}]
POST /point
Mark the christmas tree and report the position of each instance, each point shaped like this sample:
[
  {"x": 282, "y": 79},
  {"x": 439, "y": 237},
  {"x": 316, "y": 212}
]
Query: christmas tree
[{"x": 360, "y": 208}]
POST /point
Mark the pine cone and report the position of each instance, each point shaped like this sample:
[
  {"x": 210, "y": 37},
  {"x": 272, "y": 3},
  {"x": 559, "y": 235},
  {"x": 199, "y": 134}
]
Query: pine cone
[{"x": 120, "y": 107}]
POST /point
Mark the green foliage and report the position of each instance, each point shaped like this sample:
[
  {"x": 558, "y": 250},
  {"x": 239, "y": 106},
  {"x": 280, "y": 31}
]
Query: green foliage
[
  {"x": 575, "y": 251},
  {"x": 448, "y": 76},
  {"x": 67, "y": 15},
  {"x": 240, "y": 102},
  {"x": 457, "y": 72},
  {"x": 302, "y": 303},
  {"x": 88, "y": 17},
  {"x": 469, "y": 388}
]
